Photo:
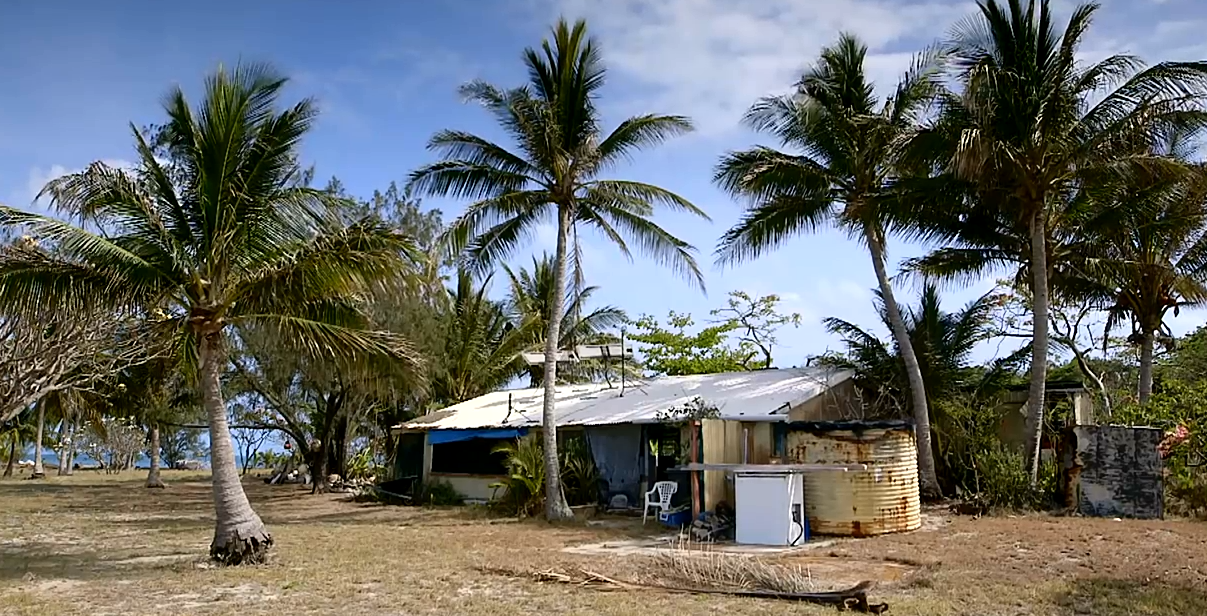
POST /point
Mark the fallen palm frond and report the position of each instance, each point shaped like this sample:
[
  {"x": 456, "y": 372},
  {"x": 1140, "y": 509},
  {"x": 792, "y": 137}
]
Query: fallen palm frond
[{"x": 703, "y": 572}]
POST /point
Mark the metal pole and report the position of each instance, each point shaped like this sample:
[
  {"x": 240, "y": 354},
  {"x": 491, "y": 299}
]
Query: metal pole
[{"x": 622, "y": 362}]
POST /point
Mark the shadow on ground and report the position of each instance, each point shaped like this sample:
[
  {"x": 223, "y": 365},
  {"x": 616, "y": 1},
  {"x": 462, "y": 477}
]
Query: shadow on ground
[{"x": 1104, "y": 596}]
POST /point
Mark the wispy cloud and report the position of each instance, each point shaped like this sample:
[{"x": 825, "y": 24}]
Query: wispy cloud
[{"x": 712, "y": 58}]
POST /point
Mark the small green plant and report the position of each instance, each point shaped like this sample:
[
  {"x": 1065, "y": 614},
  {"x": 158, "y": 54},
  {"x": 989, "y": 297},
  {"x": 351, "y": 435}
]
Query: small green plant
[
  {"x": 523, "y": 490},
  {"x": 363, "y": 465},
  {"x": 439, "y": 493},
  {"x": 1005, "y": 483},
  {"x": 522, "y": 493},
  {"x": 580, "y": 477}
]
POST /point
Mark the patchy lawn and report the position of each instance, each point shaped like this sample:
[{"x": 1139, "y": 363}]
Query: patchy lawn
[{"x": 96, "y": 544}]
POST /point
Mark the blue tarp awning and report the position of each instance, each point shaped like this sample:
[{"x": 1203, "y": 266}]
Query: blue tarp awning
[{"x": 436, "y": 437}]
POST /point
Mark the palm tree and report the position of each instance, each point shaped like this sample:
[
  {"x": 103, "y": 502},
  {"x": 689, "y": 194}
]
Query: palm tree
[
  {"x": 555, "y": 172},
  {"x": 1031, "y": 126},
  {"x": 943, "y": 342},
  {"x": 1145, "y": 254},
  {"x": 849, "y": 145},
  {"x": 482, "y": 347},
  {"x": 531, "y": 299},
  {"x": 230, "y": 237}
]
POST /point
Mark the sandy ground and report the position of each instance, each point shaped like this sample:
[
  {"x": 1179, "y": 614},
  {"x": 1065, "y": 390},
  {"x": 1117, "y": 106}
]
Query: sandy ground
[{"x": 96, "y": 544}]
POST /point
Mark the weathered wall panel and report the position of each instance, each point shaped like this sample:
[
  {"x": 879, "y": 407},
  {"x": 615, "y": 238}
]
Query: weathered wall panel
[{"x": 1113, "y": 471}]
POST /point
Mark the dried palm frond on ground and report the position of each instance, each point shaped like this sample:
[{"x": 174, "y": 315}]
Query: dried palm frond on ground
[{"x": 705, "y": 568}]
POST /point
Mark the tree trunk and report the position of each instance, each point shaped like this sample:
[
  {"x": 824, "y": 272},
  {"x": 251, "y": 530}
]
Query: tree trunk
[
  {"x": 12, "y": 454},
  {"x": 1039, "y": 345},
  {"x": 1084, "y": 365},
  {"x": 928, "y": 478},
  {"x": 239, "y": 534},
  {"x": 153, "y": 480},
  {"x": 318, "y": 469},
  {"x": 39, "y": 472},
  {"x": 1146, "y": 365},
  {"x": 556, "y": 507},
  {"x": 65, "y": 450}
]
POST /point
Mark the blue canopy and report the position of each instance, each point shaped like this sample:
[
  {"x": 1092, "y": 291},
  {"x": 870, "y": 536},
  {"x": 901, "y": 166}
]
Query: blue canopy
[{"x": 436, "y": 437}]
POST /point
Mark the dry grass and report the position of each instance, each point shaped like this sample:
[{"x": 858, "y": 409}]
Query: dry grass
[
  {"x": 704, "y": 568},
  {"x": 96, "y": 544}
]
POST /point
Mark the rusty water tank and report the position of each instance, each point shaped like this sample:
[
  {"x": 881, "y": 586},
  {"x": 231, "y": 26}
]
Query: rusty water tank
[{"x": 882, "y": 499}]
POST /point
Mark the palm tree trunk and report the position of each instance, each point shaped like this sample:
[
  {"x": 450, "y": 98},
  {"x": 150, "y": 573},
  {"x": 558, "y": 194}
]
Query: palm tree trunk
[
  {"x": 12, "y": 454},
  {"x": 556, "y": 507},
  {"x": 1146, "y": 365},
  {"x": 39, "y": 472},
  {"x": 239, "y": 534},
  {"x": 1039, "y": 345},
  {"x": 153, "y": 480},
  {"x": 928, "y": 478}
]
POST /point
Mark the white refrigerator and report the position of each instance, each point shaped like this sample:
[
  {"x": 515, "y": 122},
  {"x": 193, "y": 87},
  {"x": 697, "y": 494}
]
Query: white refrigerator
[{"x": 770, "y": 507}]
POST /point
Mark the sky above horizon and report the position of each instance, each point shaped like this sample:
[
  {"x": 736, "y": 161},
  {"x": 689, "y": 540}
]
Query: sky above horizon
[{"x": 385, "y": 75}]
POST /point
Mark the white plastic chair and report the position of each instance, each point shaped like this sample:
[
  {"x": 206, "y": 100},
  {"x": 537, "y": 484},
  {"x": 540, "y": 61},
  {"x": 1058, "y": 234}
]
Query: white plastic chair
[{"x": 663, "y": 490}]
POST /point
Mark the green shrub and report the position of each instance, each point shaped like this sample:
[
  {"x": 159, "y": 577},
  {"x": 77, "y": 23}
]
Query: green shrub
[
  {"x": 439, "y": 493},
  {"x": 1005, "y": 483},
  {"x": 522, "y": 493},
  {"x": 363, "y": 465},
  {"x": 1176, "y": 405}
]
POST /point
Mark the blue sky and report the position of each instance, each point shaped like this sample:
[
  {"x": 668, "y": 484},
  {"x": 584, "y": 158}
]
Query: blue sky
[{"x": 75, "y": 75}]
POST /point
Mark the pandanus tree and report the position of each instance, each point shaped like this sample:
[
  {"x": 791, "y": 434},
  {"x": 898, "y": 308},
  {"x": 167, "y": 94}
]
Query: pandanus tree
[
  {"x": 1031, "y": 125},
  {"x": 560, "y": 152},
  {"x": 230, "y": 236},
  {"x": 845, "y": 153},
  {"x": 531, "y": 299}
]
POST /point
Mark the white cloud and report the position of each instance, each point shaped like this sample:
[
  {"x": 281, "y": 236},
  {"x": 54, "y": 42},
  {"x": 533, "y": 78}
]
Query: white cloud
[
  {"x": 711, "y": 59},
  {"x": 39, "y": 177}
]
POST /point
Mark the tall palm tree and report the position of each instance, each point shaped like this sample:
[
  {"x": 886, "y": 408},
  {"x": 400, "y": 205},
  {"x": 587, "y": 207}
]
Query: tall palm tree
[
  {"x": 1145, "y": 255},
  {"x": 482, "y": 347},
  {"x": 561, "y": 152},
  {"x": 531, "y": 299},
  {"x": 1031, "y": 126},
  {"x": 230, "y": 237},
  {"x": 848, "y": 147}
]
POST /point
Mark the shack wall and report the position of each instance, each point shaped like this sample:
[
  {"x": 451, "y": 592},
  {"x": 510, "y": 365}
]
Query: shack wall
[{"x": 1113, "y": 471}]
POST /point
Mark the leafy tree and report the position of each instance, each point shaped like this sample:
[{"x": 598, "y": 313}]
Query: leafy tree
[
  {"x": 233, "y": 239},
  {"x": 757, "y": 320},
  {"x": 1188, "y": 361},
  {"x": 672, "y": 351},
  {"x": 849, "y": 147},
  {"x": 1030, "y": 127},
  {"x": 15, "y": 434},
  {"x": 555, "y": 172},
  {"x": 531, "y": 300},
  {"x": 180, "y": 444},
  {"x": 250, "y": 431}
]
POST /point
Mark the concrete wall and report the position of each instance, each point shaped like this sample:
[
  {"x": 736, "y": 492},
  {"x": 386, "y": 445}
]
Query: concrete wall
[
  {"x": 472, "y": 487},
  {"x": 1113, "y": 471}
]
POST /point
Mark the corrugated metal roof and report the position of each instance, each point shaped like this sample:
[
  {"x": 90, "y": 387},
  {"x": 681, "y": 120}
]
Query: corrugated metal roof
[{"x": 761, "y": 395}]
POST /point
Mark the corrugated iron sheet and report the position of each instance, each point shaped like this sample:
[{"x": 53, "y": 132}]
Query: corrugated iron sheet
[
  {"x": 882, "y": 499},
  {"x": 758, "y": 395}
]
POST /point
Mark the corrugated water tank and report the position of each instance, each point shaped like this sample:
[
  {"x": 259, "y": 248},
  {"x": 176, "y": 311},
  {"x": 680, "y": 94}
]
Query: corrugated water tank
[{"x": 882, "y": 499}]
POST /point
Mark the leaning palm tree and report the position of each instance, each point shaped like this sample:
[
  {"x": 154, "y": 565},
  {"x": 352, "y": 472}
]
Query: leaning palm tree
[
  {"x": 554, "y": 172},
  {"x": 848, "y": 147},
  {"x": 230, "y": 236},
  {"x": 531, "y": 299},
  {"x": 1032, "y": 126}
]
